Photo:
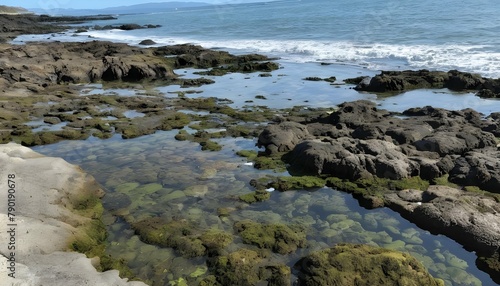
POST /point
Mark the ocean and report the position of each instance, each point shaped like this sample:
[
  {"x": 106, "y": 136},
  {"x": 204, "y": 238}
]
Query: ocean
[
  {"x": 311, "y": 38},
  {"x": 389, "y": 35}
]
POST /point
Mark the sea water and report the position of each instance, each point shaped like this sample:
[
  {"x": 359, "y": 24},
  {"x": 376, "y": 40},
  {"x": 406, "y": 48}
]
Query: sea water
[
  {"x": 311, "y": 38},
  {"x": 392, "y": 34}
]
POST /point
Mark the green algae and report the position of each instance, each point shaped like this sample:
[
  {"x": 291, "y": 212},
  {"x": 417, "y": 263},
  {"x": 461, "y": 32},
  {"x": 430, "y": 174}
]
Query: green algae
[
  {"x": 279, "y": 238},
  {"x": 215, "y": 239},
  {"x": 490, "y": 264},
  {"x": 210, "y": 146},
  {"x": 90, "y": 238},
  {"x": 249, "y": 154},
  {"x": 270, "y": 163},
  {"x": 372, "y": 190},
  {"x": 176, "y": 120},
  {"x": 297, "y": 183},
  {"x": 182, "y": 236},
  {"x": 354, "y": 264},
  {"x": 477, "y": 190},
  {"x": 256, "y": 196},
  {"x": 246, "y": 267}
]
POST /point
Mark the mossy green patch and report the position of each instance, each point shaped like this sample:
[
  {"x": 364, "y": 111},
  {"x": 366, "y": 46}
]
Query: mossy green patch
[
  {"x": 257, "y": 196},
  {"x": 477, "y": 190},
  {"x": 245, "y": 267},
  {"x": 270, "y": 163},
  {"x": 250, "y": 154},
  {"x": 90, "y": 238},
  {"x": 443, "y": 181},
  {"x": 353, "y": 264},
  {"x": 373, "y": 189},
  {"x": 210, "y": 146},
  {"x": 279, "y": 238},
  {"x": 490, "y": 264},
  {"x": 215, "y": 239},
  {"x": 297, "y": 183},
  {"x": 182, "y": 236},
  {"x": 176, "y": 120}
]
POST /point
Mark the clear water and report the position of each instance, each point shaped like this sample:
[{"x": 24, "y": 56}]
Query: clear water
[{"x": 330, "y": 216}]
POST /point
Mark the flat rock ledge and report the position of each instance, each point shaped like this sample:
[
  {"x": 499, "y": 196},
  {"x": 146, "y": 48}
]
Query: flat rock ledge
[
  {"x": 471, "y": 219},
  {"x": 45, "y": 222}
]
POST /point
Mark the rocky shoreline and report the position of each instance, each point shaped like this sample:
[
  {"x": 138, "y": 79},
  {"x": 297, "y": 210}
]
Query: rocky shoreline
[
  {"x": 375, "y": 154},
  {"x": 354, "y": 146}
]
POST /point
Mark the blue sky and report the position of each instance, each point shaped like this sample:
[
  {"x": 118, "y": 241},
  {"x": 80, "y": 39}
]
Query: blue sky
[{"x": 90, "y": 4}]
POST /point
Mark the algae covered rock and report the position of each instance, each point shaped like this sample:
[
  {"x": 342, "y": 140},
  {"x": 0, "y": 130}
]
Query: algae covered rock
[
  {"x": 279, "y": 238},
  {"x": 355, "y": 264},
  {"x": 246, "y": 267},
  {"x": 182, "y": 236},
  {"x": 257, "y": 196}
]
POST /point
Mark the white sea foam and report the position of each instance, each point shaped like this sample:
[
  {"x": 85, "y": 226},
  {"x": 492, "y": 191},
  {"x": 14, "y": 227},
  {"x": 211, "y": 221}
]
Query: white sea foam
[{"x": 481, "y": 59}]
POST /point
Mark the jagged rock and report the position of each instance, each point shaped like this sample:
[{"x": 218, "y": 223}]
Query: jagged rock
[
  {"x": 282, "y": 137},
  {"x": 478, "y": 168},
  {"x": 358, "y": 140},
  {"x": 399, "y": 81}
]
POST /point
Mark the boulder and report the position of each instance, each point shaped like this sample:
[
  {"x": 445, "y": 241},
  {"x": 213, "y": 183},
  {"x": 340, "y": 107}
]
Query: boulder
[
  {"x": 147, "y": 42},
  {"x": 282, "y": 137},
  {"x": 351, "y": 159},
  {"x": 478, "y": 168}
]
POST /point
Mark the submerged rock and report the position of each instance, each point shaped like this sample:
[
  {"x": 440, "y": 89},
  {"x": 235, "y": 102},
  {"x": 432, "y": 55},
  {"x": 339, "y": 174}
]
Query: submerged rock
[
  {"x": 279, "y": 238},
  {"x": 182, "y": 236},
  {"x": 246, "y": 267},
  {"x": 351, "y": 264}
]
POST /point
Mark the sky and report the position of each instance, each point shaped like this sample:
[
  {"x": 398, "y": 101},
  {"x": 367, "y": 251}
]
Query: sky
[{"x": 96, "y": 4}]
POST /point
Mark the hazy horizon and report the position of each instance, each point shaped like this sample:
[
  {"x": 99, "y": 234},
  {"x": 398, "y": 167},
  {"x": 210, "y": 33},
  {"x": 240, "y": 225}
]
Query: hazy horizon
[{"x": 99, "y": 4}]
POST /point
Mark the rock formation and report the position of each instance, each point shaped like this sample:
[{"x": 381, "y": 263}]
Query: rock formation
[{"x": 50, "y": 203}]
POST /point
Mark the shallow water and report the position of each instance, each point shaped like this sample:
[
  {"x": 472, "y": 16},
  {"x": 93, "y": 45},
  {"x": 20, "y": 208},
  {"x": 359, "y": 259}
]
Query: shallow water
[
  {"x": 40, "y": 125},
  {"x": 287, "y": 88},
  {"x": 193, "y": 184}
]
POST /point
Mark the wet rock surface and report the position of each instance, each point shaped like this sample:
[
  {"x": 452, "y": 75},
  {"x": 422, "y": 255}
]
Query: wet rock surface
[
  {"x": 399, "y": 81},
  {"x": 470, "y": 218},
  {"x": 379, "y": 156},
  {"x": 360, "y": 141}
]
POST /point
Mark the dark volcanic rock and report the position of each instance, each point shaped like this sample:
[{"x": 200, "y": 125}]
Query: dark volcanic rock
[
  {"x": 359, "y": 141},
  {"x": 61, "y": 63},
  {"x": 282, "y": 137},
  {"x": 398, "y": 81},
  {"x": 147, "y": 42},
  {"x": 478, "y": 168},
  {"x": 351, "y": 158}
]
